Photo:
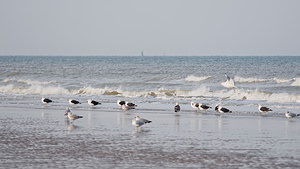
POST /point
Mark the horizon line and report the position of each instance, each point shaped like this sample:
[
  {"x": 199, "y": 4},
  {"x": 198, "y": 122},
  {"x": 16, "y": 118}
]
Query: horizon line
[{"x": 154, "y": 55}]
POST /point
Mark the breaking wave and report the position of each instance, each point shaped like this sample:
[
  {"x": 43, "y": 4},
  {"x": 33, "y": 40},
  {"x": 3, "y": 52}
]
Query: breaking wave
[
  {"x": 241, "y": 94},
  {"x": 34, "y": 89},
  {"x": 296, "y": 82},
  {"x": 193, "y": 78},
  {"x": 258, "y": 80},
  {"x": 29, "y": 82},
  {"x": 201, "y": 92}
]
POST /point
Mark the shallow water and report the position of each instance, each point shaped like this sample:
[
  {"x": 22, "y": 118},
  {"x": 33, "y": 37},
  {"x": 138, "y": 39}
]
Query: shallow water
[
  {"x": 271, "y": 81},
  {"x": 40, "y": 137},
  {"x": 34, "y": 135}
]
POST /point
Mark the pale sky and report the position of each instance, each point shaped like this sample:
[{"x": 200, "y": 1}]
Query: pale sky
[{"x": 158, "y": 27}]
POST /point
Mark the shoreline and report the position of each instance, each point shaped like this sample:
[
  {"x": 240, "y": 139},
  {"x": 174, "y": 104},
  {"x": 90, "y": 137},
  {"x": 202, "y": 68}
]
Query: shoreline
[{"x": 34, "y": 138}]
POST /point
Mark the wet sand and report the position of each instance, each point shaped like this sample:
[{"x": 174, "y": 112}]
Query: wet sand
[{"x": 105, "y": 138}]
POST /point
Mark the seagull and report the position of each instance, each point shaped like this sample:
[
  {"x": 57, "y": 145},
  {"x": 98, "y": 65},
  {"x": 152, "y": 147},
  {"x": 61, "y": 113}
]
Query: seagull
[
  {"x": 73, "y": 102},
  {"x": 93, "y": 102},
  {"x": 143, "y": 120},
  {"x": 222, "y": 109},
  {"x": 203, "y": 107},
  {"x": 229, "y": 83},
  {"x": 138, "y": 122},
  {"x": 195, "y": 105},
  {"x": 263, "y": 109},
  {"x": 72, "y": 116},
  {"x": 131, "y": 104},
  {"x": 128, "y": 106},
  {"x": 177, "y": 108},
  {"x": 67, "y": 110},
  {"x": 46, "y": 100},
  {"x": 120, "y": 103},
  {"x": 291, "y": 115}
]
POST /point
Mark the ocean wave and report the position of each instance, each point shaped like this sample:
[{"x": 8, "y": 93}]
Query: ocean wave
[
  {"x": 258, "y": 80},
  {"x": 202, "y": 92},
  {"x": 241, "y": 94},
  {"x": 249, "y": 80},
  {"x": 34, "y": 89},
  {"x": 193, "y": 78},
  {"x": 283, "y": 80},
  {"x": 14, "y": 74},
  {"x": 28, "y": 81},
  {"x": 296, "y": 82}
]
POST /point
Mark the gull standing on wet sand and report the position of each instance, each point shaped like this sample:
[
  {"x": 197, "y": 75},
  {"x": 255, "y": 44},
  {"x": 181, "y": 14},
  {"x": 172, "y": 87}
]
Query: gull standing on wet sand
[
  {"x": 73, "y": 102},
  {"x": 222, "y": 109},
  {"x": 291, "y": 115},
  {"x": 177, "y": 108},
  {"x": 46, "y": 100},
  {"x": 72, "y": 116},
  {"x": 138, "y": 122},
  {"x": 263, "y": 109},
  {"x": 128, "y": 106},
  {"x": 93, "y": 102}
]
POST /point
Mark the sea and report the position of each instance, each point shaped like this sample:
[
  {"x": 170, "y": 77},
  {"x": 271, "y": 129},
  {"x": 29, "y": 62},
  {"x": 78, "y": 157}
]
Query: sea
[
  {"x": 36, "y": 135},
  {"x": 155, "y": 81}
]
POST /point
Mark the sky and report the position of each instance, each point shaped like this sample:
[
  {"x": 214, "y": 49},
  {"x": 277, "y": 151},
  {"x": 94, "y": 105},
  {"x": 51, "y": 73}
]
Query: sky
[{"x": 156, "y": 27}]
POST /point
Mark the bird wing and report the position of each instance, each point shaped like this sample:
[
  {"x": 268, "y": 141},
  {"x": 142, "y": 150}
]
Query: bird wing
[
  {"x": 95, "y": 102},
  {"x": 47, "y": 100},
  {"x": 224, "y": 110},
  {"x": 177, "y": 108},
  {"x": 74, "y": 101},
  {"x": 131, "y": 104},
  {"x": 205, "y": 107},
  {"x": 122, "y": 102},
  {"x": 265, "y": 109}
]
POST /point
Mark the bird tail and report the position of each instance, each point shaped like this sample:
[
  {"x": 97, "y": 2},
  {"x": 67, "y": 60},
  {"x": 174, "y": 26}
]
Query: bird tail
[
  {"x": 298, "y": 114},
  {"x": 80, "y": 117},
  {"x": 148, "y": 121}
]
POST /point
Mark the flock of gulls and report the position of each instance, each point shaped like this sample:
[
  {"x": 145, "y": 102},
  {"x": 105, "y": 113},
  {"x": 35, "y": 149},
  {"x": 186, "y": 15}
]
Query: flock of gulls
[{"x": 138, "y": 122}]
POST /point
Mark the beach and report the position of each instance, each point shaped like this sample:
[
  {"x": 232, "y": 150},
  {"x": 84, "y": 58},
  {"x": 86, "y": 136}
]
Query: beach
[
  {"x": 150, "y": 84},
  {"x": 41, "y": 137},
  {"x": 38, "y": 135}
]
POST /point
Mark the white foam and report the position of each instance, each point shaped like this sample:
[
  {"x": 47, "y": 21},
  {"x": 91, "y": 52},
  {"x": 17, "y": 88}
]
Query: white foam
[
  {"x": 257, "y": 80},
  {"x": 28, "y": 81},
  {"x": 239, "y": 94},
  {"x": 283, "y": 80},
  {"x": 249, "y": 80},
  {"x": 89, "y": 91},
  {"x": 34, "y": 89},
  {"x": 296, "y": 82},
  {"x": 193, "y": 78},
  {"x": 161, "y": 93},
  {"x": 35, "y": 82}
]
